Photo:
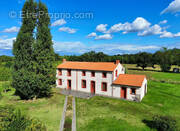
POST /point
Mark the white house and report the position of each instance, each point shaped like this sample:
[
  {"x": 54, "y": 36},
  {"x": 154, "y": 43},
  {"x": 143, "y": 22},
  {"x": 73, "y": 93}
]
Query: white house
[{"x": 101, "y": 78}]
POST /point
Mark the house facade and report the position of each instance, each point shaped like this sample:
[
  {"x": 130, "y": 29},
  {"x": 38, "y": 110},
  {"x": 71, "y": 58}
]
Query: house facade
[{"x": 100, "y": 78}]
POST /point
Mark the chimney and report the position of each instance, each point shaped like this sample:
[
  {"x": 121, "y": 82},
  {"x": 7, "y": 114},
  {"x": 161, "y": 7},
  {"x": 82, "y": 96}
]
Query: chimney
[
  {"x": 117, "y": 61},
  {"x": 64, "y": 60}
]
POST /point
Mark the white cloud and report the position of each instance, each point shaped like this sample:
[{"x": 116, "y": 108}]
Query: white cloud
[
  {"x": 6, "y": 43},
  {"x": 112, "y": 49},
  {"x": 138, "y": 24},
  {"x": 167, "y": 34},
  {"x": 68, "y": 30},
  {"x": 163, "y": 22},
  {"x": 177, "y": 34},
  {"x": 101, "y": 28},
  {"x": 104, "y": 37},
  {"x": 4, "y": 36},
  {"x": 173, "y": 7},
  {"x": 58, "y": 22},
  {"x": 153, "y": 30},
  {"x": 11, "y": 30},
  {"x": 93, "y": 34}
]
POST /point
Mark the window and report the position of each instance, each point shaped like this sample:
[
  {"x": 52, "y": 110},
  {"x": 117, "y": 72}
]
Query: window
[
  {"x": 93, "y": 74},
  {"x": 104, "y": 86},
  {"x": 104, "y": 74},
  {"x": 83, "y": 83},
  {"x": 60, "y": 82},
  {"x": 133, "y": 91},
  {"x": 116, "y": 73},
  {"x": 83, "y": 73},
  {"x": 69, "y": 72},
  {"x": 59, "y": 72}
]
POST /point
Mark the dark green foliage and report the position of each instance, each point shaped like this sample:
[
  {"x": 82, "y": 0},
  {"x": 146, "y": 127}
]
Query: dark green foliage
[
  {"x": 44, "y": 54},
  {"x": 58, "y": 57},
  {"x": 165, "y": 59},
  {"x": 5, "y": 74},
  {"x": 4, "y": 58},
  {"x": 14, "y": 120},
  {"x": 162, "y": 123},
  {"x": 22, "y": 49},
  {"x": 144, "y": 60},
  {"x": 33, "y": 73},
  {"x": 8, "y": 64},
  {"x": 176, "y": 56}
]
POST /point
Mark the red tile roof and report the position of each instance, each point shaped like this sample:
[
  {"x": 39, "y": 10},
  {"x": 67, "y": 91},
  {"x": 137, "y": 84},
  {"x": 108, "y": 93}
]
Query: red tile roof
[
  {"x": 96, "y": 66},
  {"x": 130, "y": 80}
]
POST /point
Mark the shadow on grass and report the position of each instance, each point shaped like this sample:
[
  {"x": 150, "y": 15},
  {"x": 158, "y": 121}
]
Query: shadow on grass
[{"x": 149, "y": 123}]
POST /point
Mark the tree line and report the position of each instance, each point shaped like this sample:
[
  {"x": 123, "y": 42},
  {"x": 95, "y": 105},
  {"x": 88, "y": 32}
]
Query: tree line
[{"x": 164, "y": 57}]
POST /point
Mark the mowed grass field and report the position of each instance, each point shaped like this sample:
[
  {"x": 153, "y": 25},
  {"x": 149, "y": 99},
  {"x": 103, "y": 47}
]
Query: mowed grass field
[
  {"x": 108, "y": 114},
  {"x": 47, "y": 110}
]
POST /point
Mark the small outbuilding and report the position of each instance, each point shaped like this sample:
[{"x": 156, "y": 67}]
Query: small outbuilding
[{"x": 130, "y": 87}]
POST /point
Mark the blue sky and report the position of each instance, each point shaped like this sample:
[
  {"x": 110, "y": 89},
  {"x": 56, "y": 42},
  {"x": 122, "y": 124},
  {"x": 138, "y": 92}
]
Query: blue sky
[{"x": 111, "y": 26}]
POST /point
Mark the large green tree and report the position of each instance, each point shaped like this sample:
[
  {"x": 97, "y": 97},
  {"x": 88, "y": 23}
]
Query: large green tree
[
  {"x": 33, "y": 73},
  {"x": 44, "y": 55},
  {"x": 22, "y": 50},
  {"x": 164, "y": 59},
  {"x": 144, "y": 60}
]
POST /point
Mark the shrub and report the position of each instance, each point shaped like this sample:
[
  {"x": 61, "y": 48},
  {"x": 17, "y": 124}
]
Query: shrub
[
  {"x": 164, "y": 123},
  {"x": 6, "y": 86},
  {"x": 14, "y": 120},
  {"x": 5, "y": 74}
]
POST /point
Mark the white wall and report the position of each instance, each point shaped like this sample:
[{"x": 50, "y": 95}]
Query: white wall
[
  {"x": 120, "y": 69},
  {"x": 143, "y": 88},
  {"x": 112, "y": 90},
  {"x": 64, "y": 78},
  {"x": 139, "y": 91},
  {"x": 76, "y": 79}
]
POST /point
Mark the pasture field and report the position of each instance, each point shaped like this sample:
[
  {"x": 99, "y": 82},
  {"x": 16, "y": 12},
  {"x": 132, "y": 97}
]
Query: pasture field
[
  {"x": 47, "y": 110},
  {"x": 105, "y": 114}
]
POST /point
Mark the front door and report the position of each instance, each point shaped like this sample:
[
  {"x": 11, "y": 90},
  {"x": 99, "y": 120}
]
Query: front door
[
  {"x": 69, "y": 84},
  {"x": 123, "y": 92},
  {"x": 93, "y": 87}
]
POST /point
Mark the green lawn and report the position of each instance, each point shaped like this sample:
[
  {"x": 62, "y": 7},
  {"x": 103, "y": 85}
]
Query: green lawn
[
  {"x": 155, "y": 75},
  {"x": 107, "y": 114},
  {"x": 47, "y": 110}
]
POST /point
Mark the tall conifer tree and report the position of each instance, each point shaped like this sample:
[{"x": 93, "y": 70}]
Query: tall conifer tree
[
  {"x": 33, "y": 73},
  {"x": 22, "y": 50},
  {"x": 44, "y": 55}
]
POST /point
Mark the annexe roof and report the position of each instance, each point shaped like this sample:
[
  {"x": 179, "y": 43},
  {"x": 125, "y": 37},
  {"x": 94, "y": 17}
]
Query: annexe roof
[
  {"x": 95, "y": 66},
  {"x": 130, "y": 80}
]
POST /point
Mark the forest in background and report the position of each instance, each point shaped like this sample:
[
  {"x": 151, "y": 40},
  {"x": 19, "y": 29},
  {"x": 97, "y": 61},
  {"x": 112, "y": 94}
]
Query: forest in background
[{"x": 165, "y": 58}]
